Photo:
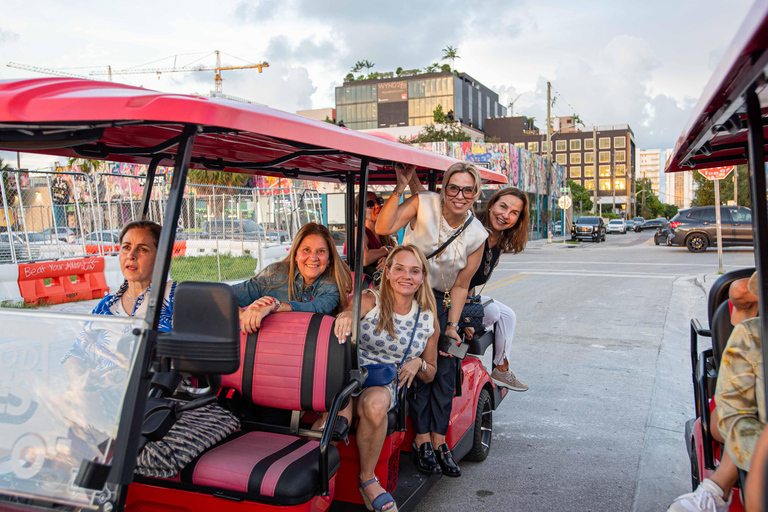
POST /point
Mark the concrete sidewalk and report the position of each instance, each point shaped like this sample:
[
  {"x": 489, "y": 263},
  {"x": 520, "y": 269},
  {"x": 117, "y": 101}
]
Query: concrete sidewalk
[{"x": 664, "y": 470}]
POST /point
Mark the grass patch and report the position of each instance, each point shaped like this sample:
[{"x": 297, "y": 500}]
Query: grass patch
[
  {"x": 205, "y": 268},
  {"x": 12, "y": 304}
]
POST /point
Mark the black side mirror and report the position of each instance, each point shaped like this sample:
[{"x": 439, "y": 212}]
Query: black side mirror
[{"x": 206, "y": 337}]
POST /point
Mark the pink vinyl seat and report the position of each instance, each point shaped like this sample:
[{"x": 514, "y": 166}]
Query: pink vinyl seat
[{"x": 293, "y": 362}]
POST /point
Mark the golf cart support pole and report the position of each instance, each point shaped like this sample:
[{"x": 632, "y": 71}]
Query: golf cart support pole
[
  {"x": 132, "y": 417},
  {"x": 357, "y": 285},
  {"x": 756, "y": 159},
  {"x": 147, "y": 195}
]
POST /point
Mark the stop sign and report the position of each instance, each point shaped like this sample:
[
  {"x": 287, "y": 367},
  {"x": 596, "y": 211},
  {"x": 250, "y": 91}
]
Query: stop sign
[
  {"x": 717, "y": 173},
  {"x": 564, "y": 202}
]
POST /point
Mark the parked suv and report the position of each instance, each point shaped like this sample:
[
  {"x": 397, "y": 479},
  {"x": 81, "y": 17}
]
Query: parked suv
[
  {"x": 590, "y": 228},
  {"x": 616, "y": 226},
  {"x": 696, "y": 228}
]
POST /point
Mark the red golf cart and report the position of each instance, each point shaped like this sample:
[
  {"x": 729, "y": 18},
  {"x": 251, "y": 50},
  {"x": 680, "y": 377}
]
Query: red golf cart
[
  {"x": 61, "y": 448},
  {"x": 728, "y": 127}
]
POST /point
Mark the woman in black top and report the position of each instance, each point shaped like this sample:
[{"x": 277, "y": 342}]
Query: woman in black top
[{"x": 506, "y": 219}]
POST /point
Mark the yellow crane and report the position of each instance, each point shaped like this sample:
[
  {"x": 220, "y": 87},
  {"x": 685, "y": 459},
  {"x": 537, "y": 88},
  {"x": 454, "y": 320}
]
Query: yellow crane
[{"x": 217, "y": 69}]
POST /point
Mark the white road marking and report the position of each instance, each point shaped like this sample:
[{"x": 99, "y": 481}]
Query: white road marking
[
  {"x": 634, "y": 264},
  {"x": 640, "y": 275}
]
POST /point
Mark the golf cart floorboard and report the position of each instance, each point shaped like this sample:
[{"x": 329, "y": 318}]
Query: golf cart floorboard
[{"x": 412, "y": 486}]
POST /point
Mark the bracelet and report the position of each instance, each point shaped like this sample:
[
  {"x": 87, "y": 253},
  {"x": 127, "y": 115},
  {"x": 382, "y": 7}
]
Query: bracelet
[
  {"x": 451, "y": 324},
  {"x": 396, "y": 193},
  {"x": 277, "y": 305}
]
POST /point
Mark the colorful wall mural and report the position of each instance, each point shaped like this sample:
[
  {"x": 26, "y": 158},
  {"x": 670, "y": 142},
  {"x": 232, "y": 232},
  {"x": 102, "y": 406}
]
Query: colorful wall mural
[{"x": 524, "y": 170}]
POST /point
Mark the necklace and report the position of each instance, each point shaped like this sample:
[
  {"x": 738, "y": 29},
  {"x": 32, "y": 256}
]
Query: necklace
[
  {"x": 447, "y": 294},
  {"x": 132, "y": 297}
]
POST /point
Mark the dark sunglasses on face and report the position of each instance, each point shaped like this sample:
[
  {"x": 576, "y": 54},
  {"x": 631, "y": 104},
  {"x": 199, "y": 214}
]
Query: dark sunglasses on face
[
  {"x": 371, "y": 203},
  {"x": 453, "y": 191}
]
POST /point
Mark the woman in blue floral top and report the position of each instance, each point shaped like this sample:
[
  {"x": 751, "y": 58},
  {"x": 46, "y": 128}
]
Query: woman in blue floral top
[
  {"x": 96, "y": 347},
  {"x": 311, "y": 278}
]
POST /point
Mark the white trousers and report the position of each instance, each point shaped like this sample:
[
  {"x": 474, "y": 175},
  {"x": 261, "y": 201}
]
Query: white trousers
[{"x": 505, "y": 329}]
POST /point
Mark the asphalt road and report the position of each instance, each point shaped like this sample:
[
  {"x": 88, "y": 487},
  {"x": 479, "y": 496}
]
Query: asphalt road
[{"x": 602, "y": 340}]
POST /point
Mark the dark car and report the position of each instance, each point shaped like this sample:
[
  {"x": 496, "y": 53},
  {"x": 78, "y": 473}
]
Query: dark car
[
  {"x": 590, "y": 228},
  {"x": 662, "y": 235},
  {"x": 696, "y": 228},
  {"x": 650, "y": 224}
]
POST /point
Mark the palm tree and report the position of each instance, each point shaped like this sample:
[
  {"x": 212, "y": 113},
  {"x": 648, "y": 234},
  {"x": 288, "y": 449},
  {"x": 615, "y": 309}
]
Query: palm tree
[
  {"x": 450, "y": 53},
  {"x": 218, "y": 178},
  {"x": 87, "y": 166},
  {"x": 367, "y": 64}
]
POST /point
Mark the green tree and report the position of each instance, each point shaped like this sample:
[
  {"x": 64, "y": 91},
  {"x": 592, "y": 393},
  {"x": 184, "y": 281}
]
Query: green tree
[
  {"x": 491, "y": 139},
  {"x": 87, "y": 166},
  {"x": 649, "y": 205},
  {"x": 449, "y": 132},
  {"x": 218, "y": 178},
  {"x": 450, "y": 54},
  {"x": 705, "y": 191},
  {"x": 445, "y": 68},
  {"x": 399, "y": 71},
  {"x": 349, "y": 78},
  {"x": 438, "y": 115},
  {"x": 580, "y": 196}
]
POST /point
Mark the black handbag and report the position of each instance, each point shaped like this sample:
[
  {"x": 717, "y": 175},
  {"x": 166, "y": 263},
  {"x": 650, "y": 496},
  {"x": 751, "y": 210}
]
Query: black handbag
[
  {"x": 381, "y": 374},
  {"x": 472, "y": 314}
]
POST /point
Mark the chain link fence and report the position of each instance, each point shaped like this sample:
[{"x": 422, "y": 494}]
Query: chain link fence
[{"x": 223, "y": 234}]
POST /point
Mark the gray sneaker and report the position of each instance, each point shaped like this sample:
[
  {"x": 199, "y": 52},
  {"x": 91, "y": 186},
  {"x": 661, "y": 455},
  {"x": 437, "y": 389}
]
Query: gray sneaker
[
  {"x": 508, "y": 380},
  {"x": 708, "y": 497}
]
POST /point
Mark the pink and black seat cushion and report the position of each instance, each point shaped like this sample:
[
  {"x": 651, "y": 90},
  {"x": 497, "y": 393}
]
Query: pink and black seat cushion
[{"x": 293, "y": 362}]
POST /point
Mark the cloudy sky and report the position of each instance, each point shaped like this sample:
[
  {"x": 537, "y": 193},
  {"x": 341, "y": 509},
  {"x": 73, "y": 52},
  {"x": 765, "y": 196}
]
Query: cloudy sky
[{"x": 611, "y": 62}]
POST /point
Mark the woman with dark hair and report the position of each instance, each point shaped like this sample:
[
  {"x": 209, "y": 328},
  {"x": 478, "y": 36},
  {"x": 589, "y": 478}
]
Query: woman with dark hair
[
  {"x": 96, "y": 346},
  {"x": 311, "y": 278},
  {"x": 505, "y": 217},
  {"x": 442, "y": 226},
  {"x": 375, "y": 247}
]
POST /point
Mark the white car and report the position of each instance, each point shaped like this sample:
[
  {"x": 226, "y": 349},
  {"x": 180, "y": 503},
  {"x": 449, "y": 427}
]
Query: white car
[{"x": 616, "y": 226}]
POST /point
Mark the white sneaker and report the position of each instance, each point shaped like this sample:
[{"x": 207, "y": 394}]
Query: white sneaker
[{"x": 708, "y": 497}]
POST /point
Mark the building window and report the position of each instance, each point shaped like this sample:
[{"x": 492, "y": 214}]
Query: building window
[
  {"x": 589, "y": 184},
  {"x": 605, "y": 184},
  {"x": 544, "y": 147},
  {"x": 560, "y": 145},
  {"x": 589, "y": 171},
  {"x": 605, "y": 143},
  {"x": 589, "y": 158},
  {"x": 621, "y": 169},
  {"x": 620, "y": 184},
  {"x": 575, "y": 158},
  {"x": 533, "y": 147},
  {"x": 575, "y": 172},
  {"x": 619, "y": 142},
  {"x": 589, "y": 144},
  {"x": 620, "y": 156},
  {"x": 605, "y": 156},
  {"x": 605, "y": 171},
  {"x": 575, "y": 144},
  {"x": 521, "y": 145},
  {"x": 561, "y": 159}
]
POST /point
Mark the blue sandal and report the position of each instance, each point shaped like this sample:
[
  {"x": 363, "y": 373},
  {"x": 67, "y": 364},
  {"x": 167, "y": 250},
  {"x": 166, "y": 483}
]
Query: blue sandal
[{"x": 380, "y": 500}]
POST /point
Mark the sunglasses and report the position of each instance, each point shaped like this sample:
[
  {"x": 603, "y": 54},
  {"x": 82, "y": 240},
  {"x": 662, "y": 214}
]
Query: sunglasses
[
  {"x": 453, "y": 191},
  {"x": 370, "y": 204}
]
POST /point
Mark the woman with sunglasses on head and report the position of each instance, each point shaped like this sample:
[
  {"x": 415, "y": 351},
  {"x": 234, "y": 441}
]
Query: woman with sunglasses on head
[
  {"x": 505, "y": 217},
  {"x": 432, "y": 221},
  {"x": 376, "y": 247}
]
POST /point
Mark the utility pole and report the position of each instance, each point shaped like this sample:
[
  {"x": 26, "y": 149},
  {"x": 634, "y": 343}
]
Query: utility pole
[
  {"x": 643, "y": 185},
  {"x": 736, "y": 187},
  {"x": 595, "y": 167},
  {"x": 549, "y": 158}
]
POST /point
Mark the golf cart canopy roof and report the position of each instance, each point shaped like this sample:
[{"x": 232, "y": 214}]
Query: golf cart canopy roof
[
  {"x": 716, "y": 133},
  {"x": 109, "y": 121}
]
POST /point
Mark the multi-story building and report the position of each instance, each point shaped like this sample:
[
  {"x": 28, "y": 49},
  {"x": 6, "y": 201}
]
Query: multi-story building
[
  {"x": 606, "y": 165},
  {"x": 412, "y": 100},
  {"x": 680, "y": 188}
]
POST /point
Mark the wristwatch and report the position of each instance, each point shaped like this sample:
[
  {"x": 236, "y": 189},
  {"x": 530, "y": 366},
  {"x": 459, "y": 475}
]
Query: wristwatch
[
  {"x": 277, "y": 305},
  {"x": 423, "y": 365},
  {"x": 451, "y": 324}
]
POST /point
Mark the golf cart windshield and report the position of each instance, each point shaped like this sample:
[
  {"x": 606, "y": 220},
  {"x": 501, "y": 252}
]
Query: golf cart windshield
[{"x": 62, "y": 398}]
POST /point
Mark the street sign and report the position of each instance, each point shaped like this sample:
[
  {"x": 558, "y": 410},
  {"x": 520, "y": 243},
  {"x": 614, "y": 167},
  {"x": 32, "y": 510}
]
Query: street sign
[
  {"x": 565, "y": 190},
  {"x": 564, "y": 202},
  {"x": 717, "y": 173}
]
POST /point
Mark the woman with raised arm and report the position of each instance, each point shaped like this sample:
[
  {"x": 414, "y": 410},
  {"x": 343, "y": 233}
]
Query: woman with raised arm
[
  {"x": 397, "y": 326},
  {"x": 441, "y": 225},
  {"x": 505, "y": 217},
  {"x": 311, "y": 278}
]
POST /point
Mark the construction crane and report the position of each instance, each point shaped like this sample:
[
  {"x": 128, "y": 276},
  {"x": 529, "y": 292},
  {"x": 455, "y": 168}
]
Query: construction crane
[
  {"x": 46, "y": 71},
  {"x": 217, "y": 69}
]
